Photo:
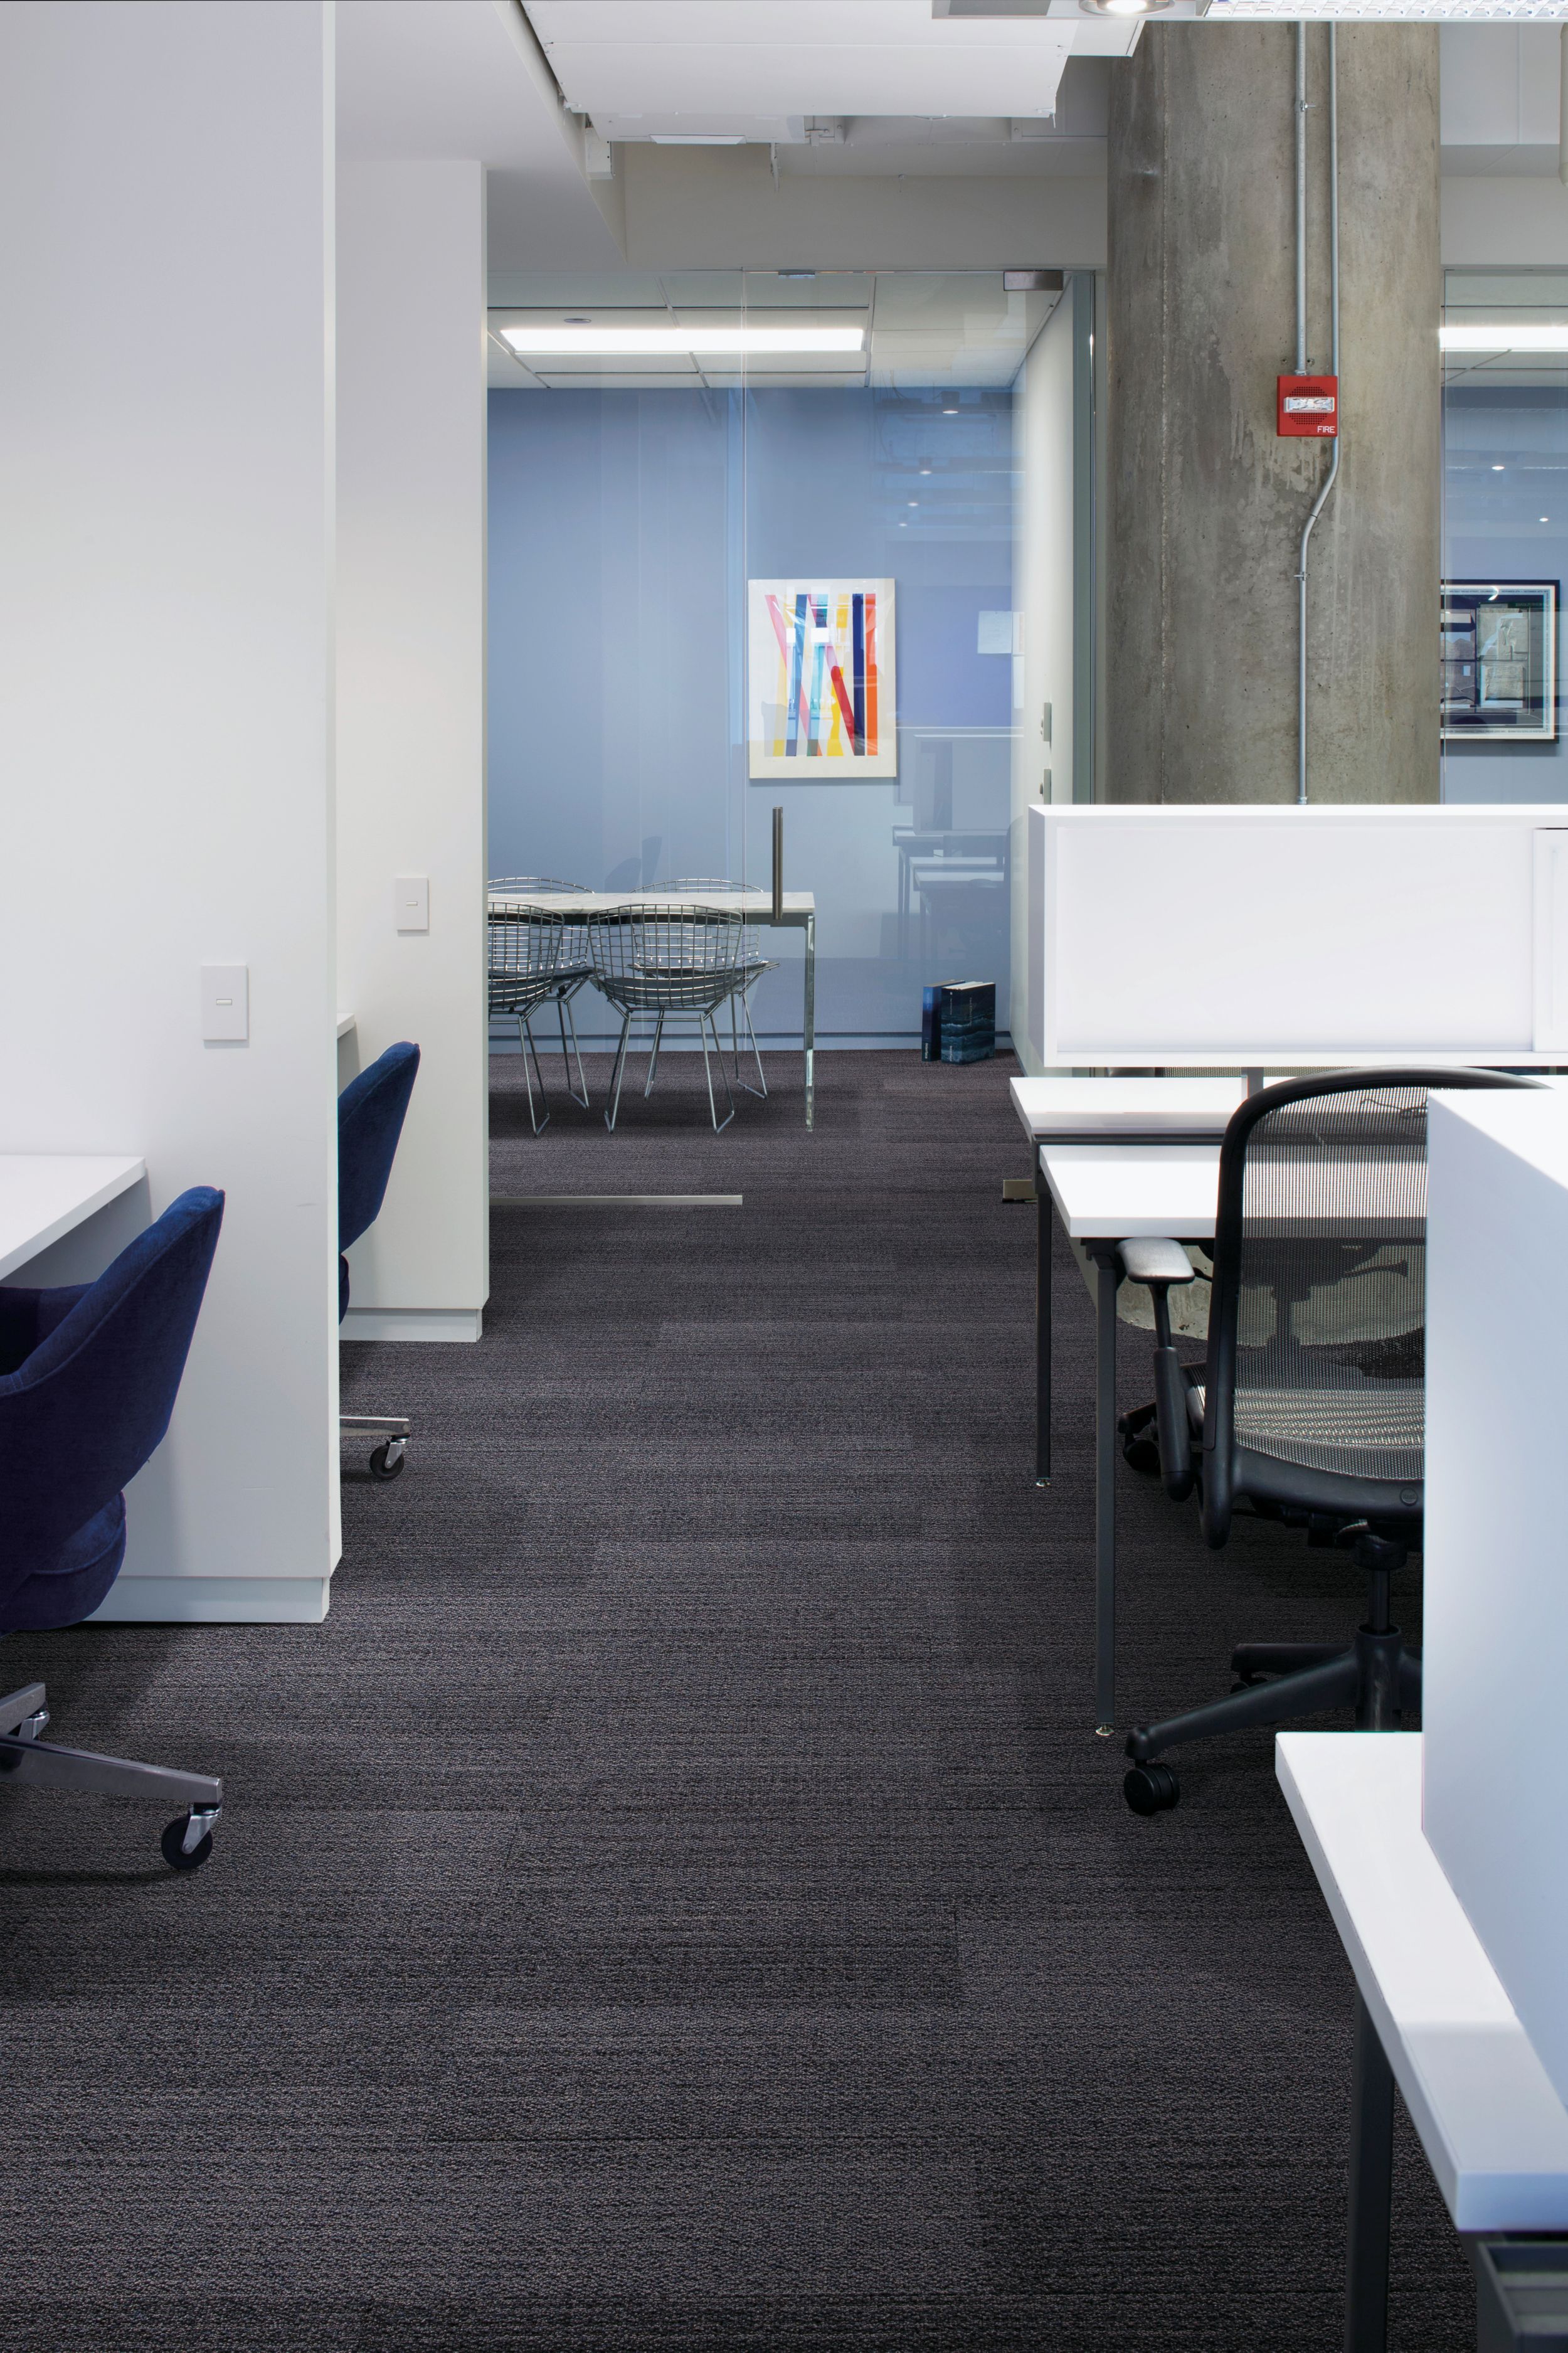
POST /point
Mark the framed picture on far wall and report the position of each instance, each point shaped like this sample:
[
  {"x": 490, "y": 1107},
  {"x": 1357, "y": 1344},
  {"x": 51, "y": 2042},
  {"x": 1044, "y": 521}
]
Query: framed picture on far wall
[
  {"x": 821, "y": 682},
  {"x": 1500, "y": 661}
]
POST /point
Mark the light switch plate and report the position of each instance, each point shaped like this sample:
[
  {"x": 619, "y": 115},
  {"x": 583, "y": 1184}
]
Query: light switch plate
[
  {"x": 226, "y": 1003},
  {"x": 410, "y": 902}
]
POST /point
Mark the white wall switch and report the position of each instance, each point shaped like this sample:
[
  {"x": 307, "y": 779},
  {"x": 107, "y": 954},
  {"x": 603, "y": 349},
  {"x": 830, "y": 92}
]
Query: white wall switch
[
  {"x": 410, "y": 902},
  {"x": 226, "y": 1003}
]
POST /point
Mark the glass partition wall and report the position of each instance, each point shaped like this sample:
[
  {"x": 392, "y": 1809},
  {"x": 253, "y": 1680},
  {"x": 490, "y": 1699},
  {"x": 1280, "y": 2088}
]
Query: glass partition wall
[
  {"x": 1505, "y": 534},
  {"x": 772, "y": 570}
]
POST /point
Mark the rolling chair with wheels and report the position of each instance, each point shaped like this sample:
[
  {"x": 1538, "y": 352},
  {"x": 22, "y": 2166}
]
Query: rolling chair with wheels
[
  {"x": 88, "y": 1376},
  {"x": 1309, "y": 1408},
  {"x": 371, "y": 1112}
]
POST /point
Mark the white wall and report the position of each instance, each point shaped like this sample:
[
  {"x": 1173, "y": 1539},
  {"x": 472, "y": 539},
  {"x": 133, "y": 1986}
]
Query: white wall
[
  {"x": 411, "y": 716},
  {"x": 1043, "y": 598},
  {"x": 165, "y": 477}
]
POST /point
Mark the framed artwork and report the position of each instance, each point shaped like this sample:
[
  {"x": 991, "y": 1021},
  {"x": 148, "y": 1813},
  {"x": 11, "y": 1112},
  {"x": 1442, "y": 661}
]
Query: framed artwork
[
  {"x": 821, "y": 692},
  {"x": 1500, "y": 661}
]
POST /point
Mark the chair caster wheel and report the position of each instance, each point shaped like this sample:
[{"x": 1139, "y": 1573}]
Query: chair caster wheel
[
  {"x": 174, "y": 1845},
  {"x": 384, "y": 1464},
  {"x": 1142, "y": 1455},
  {"x": 1151, "y": 1789}
]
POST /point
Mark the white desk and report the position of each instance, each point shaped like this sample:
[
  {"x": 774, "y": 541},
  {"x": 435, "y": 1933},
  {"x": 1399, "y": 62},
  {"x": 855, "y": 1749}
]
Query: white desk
[
  {"x": 1106, "y": 1112},
  {"x": 44, "y": 1195},
  {"x": 1129, "y": 1111},
  {"x": 1106, "y": 1194},
  {"x": 1430, "y": 2008},
  {"x": 799, "y": 915}
]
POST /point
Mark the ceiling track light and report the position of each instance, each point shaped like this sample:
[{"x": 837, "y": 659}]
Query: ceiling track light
[
  {"x": 679, "y": 343},
  {"x": 1500, "y": 338}
]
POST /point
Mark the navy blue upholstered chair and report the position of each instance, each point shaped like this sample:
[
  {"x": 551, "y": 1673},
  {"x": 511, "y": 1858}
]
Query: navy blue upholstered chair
[
  {"x": 89, "y": 1375},
  {"x": 371, "y": 1112}
]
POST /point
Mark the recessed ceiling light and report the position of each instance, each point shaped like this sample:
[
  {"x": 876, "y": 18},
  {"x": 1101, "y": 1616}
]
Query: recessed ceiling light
[
  {"x": 914, "y": 502},
  {"x": 1504, "y": 339},
  {"x": 1121, "y": 7},
  {"x": 950, "y": 412},
  {"x": 1546, "y": 518},
  {"x": 1497, "y": 470},
  {"x": 630, "y": 342}
]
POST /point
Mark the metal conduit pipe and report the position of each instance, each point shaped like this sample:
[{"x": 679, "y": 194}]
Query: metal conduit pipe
[
  {"x": 1332, "y": 475},
  {"x": 1301, "y": 199}
]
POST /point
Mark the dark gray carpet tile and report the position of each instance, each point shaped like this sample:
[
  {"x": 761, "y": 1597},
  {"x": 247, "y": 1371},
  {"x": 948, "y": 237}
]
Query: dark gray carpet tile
[
  {"x": 678, "y": 1900},
  {"x": 165, "y": 2323}
]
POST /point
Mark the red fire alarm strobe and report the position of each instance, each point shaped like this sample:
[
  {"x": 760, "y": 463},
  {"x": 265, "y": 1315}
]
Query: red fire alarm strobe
[{"x": 1309, "y": 405}]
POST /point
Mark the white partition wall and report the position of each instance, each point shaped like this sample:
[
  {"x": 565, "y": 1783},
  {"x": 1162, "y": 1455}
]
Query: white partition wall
[
  {"x": 1239, "y": 937},
  {"x": 1496, "y": 1567},
  {"x": 165, "y": 477},
  {"x": 1044, "y": 601},
  {"x": 411, "y": 718}
]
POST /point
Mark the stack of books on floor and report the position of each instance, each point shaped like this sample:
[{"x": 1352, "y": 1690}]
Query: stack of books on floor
[{"x": 958, "y": 1022}]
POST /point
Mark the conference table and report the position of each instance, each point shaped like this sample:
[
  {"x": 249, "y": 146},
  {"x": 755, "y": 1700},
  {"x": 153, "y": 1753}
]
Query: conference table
[
  {"x": 1105, "y": 1194},
  {"x": 798, "y": 914}
]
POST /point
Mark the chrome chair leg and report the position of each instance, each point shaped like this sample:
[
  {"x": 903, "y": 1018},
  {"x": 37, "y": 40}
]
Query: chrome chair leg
[
  {"x": 618, "y": 1073},
  {"x": 525, "y": 1039},
  {"x": 568, "y": 1020},
  {"x": 705, "y": 1022},
  {"x": 761, "y": 1089},
  {"x": 653, "y": 1057}
]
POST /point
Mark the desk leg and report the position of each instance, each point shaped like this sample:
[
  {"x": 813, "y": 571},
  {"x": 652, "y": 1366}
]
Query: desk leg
[
  {"x": 1042, "y": 1241},
  {"x": 808, "y": 1030},
  {"x": 1372, "y": 2181},
  {"x": 1107, "y": 1279}
]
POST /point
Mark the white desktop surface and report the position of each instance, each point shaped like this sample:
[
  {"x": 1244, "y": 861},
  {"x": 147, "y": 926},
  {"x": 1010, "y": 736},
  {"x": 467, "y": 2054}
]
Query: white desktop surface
[
  {"x": 756, "y": 905},
  {"x": 1495, "y": 2133},
  {"x": 1112, "y": 1192},
  {"x": 1103, "y": 1107},
  {"x": 44, "y": 1195}
]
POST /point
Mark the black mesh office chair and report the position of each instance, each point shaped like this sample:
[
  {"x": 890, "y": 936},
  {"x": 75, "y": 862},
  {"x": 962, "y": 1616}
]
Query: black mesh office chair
[{"x": 1312, "y": 1403}]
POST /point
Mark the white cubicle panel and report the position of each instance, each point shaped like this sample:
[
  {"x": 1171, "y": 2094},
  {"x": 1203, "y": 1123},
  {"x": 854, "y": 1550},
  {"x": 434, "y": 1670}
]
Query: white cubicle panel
[
  {"x": 1495, "y": 1649},
  {"x": 1164, "y": 938}
]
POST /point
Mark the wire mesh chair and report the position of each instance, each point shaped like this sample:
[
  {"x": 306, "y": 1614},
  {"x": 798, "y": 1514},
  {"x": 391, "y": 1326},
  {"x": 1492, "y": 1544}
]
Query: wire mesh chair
[
  {"x": 525, "y": 945},
  {"x": 576, "y": 964},
  {"x": 658, "y": 959},
  {"x": 1311, "y": 1404},
  {"x": 752, "y": 966}
]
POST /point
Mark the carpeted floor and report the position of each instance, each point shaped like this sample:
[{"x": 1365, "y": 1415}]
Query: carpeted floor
[{"x": 676, "y": 1899}]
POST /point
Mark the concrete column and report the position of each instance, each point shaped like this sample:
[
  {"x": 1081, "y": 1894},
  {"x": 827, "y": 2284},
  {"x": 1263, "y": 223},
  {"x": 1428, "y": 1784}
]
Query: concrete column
[{"x": 1207, "y": 503}]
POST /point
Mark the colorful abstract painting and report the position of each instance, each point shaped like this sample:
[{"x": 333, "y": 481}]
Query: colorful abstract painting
[{"x": 822, "y": 703}]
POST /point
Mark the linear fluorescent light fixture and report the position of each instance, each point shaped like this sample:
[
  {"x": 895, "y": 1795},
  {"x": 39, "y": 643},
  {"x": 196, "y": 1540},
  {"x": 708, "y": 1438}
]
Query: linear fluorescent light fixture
[
  {"x": 1502, "y": 339},
  {"x": 678, "y": 343}
]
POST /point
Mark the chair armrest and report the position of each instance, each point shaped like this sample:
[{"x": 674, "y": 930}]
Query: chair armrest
[{"x": 1150, "y": 1260}]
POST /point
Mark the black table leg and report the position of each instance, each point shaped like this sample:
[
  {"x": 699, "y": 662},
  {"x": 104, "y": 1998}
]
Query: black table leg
[
  {"x": 1372, "y": 2182},
  {"x": 1042, "y": 1241},
  {"x": 1108, "y": 1278}
]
